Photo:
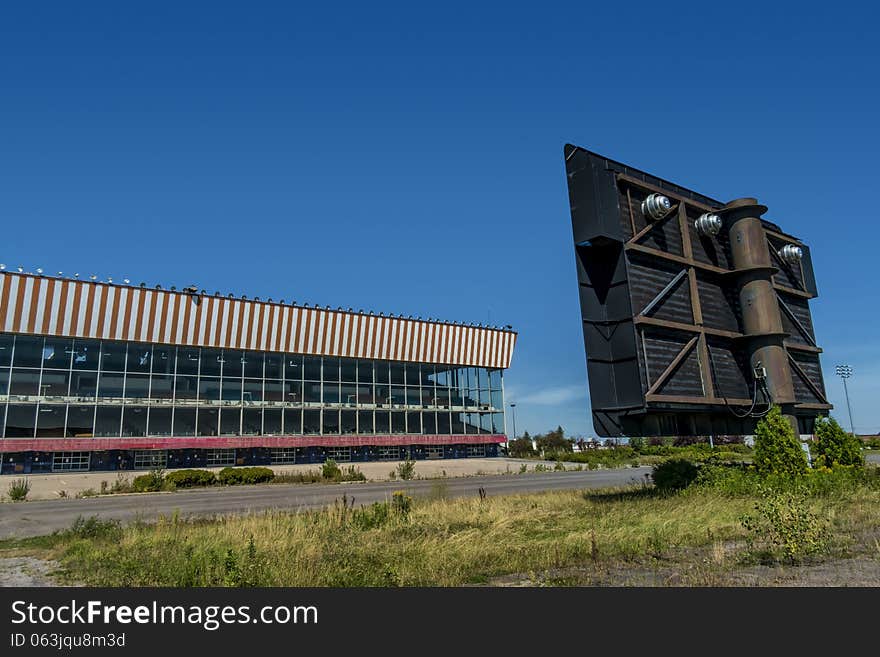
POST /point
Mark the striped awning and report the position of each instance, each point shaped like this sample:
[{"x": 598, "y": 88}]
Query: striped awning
[{"x": 45, "y": 305}]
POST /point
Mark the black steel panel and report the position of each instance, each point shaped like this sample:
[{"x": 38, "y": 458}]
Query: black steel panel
[{"x": 641, "y": 381}]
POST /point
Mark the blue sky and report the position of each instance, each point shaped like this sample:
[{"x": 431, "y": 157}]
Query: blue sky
[{"x": 409, "y": 158}]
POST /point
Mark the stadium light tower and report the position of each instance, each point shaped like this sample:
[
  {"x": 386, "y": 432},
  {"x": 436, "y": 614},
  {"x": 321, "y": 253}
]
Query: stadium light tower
[{"x": 844, "y": 372}]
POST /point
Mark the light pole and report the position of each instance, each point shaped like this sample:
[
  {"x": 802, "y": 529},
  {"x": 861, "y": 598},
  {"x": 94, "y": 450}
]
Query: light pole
[
  {"x": 844, "y": 372},
  {"x": 513, "y": 417}
]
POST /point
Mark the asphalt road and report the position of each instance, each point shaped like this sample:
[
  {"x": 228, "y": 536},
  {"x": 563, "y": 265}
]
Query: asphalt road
[
  {"x": 872, "y": 457},
  {"x": 25, "y": 519}
]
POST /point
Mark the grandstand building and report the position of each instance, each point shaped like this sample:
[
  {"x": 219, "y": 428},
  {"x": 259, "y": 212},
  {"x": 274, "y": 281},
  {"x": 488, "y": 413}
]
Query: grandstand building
[{"x": 102, "y": 376}]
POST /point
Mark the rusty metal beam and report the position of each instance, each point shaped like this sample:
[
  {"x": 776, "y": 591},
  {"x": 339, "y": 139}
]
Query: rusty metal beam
[
  {"x": 653, "y": 224},
  {"x": 800, "y": 327},
  {"x": 792, "y": 291},
  {"x": 622, "y": 177},
  {"x": 702, "y": 401},
  {"x": 673, "y": 365},
  {"x": 662, "y": 293},
  {"x": 803, "y": 375},
  {"x": 679, "y": 326},
  {"x": 797, "y": 346},
  {"x": 632, "y": 220},
  {"x": 657, "y": 253}
]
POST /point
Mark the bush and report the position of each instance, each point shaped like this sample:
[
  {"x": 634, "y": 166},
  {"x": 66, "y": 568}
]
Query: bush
[
  {"x": 190, "y": 478},
  {"x": 521, "y": 447},
  {"x": 784, "y": 527},
  {"x": 352, "y": 473},
  {"x": 249, "y": 475},
  {"x": 153, "y": 481},
  {"x": 777, "y": 449},
  {"x": 19, "y": 489},
  {"x": 407, "y": 469},
  {"x": 834, "y": 446},
  {"x": 330, "y": 470},
  {"x": 674, "y": 474},
  {"x": 95, "y": 528},
  {"x": 401, "y": 503},
  {"x": 636, "y": 442}
]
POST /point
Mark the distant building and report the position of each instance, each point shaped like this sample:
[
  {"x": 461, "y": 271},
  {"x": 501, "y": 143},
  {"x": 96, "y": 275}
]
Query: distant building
[{"x": 102, "y": 376}]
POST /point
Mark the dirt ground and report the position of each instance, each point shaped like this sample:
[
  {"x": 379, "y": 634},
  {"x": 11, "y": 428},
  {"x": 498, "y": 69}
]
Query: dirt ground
[
  {"x": 55, "y": 486},
  {"x": 27, "y": 571}
]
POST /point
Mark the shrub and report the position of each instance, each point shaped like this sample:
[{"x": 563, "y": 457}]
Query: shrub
[
  {"x": 249, "y": 475},
  {"x": 784, "y": 527},
  {"x": 407, "y": 469},
  {"x": 352, "y": 473},
  {"x": 777, "y": 449},
  {"x": 559, "y": 466},
  {"x": 19, "y": 489},
  {"x": 521, "y": 447},
  {"x": 636, "y": 442},
  {"x": 834, "y": 446},
  {"x": 330, "y": 470},
  {"x": 307, "y": 477},
  {"x": 401, "y": 503},
  {"x": 152, "y": 481},
  {"x": 674, "y": 474},
  {"x": 190, "y": 478},
  {"x": 95, "y": 528}
]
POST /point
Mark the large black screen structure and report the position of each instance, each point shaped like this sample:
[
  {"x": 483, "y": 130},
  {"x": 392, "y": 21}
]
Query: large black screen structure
[{"x": 695, "y": 312}]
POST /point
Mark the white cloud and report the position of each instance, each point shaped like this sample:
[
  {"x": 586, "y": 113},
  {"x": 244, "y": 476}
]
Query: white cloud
[{"x": 548, "y": 396}]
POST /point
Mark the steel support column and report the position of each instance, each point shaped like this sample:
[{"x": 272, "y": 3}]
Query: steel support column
[{"x": 762, "y": 322}]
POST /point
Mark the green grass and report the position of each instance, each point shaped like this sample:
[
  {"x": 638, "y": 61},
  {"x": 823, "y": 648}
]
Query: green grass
[{"x": 439, "y": 542}]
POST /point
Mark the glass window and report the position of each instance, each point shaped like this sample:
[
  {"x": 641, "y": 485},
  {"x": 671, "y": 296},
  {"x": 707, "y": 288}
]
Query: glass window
[
  {"x": 455, "y": 398},
  {"x": 252, "y": 392},
  {"x": 112, "y": 384},
  {"x": 495, "y": 379},
  {"x": 413, "y": 376},
  {"x": 50, "y": 420},
  {"x": 112, "y": 356},
  {"x": 482, "y": 377},
  {"x": 28, "y": 351},
  {"x": 25, "y": 382},
  {"x": 292, "y": 392},
  {"x": 208, "y": 422},
  {"x": 184, "y": 421},
  {"x": 186, "y": 387},
  {"x": 471, "y": 397},
  {"x": 311, "y": 368},
  {"x": 273, "y": 390},
  {"x": 485, "y": 423},
  {"x": 137, "y": 386},
  {"x": 443, "y": 425},
  {"x": 413, "y": 422},
  {"x": 312, "y": 392},
  {"x": 441, "y": 377},
  {"x": 57, "y": 353},
  {"x": 161, "y": 386},
  {"x": 55, "y": 383},
  {"x": 397, "y": 373},
  {"x": 21, "y": 420},
  {"x": 398, "y": 422},
  {"x": 80, "y": 421},
  {"x": 365, "y": 421},
  {"x": 383, "y": 422},
  {"x": 4, "y": 382},
  {"x": 331, "y": 369},
  {"x": 413, "y": 396},
  {"x": 498, "y": 423},
  {"x": 382, "y": 372},
  {"x": 70, "y": 461},
  {"x": 163, "y": 360},
  {"x": 365, "y": 394},
  {"x": 496, "y": 399},
  {"x": 429, "y": 423},
  {"x": 433, "y": 451},
  {"x": 231, "y": 389},
  {"x": 383, "y": 394},
  {"x": 251, "y": 422},
  {"x": 331, "y": 393},
  {"x": 134, "y": 421},
  {"x": 274, "y": 366},
  {"x": 398, "y": 395},
  {"x": 365, "y": 371},
  {"x": 212, "y": 360},
  {"x": 108, "y": 420},
  {"x": 348, "y": 394},
  {"x": 428, "y": 396},
  {"x": 150, "y": 459},
  {"x": 348, "y": 372},
  {"x": 86, "y": 354},
  {"x": 293, "y": 422},
  {"x": 6, "y": 350},
  {"x": 478, "y": 451},
  {"x": 159, "y": 421},
  {"x": 458, "y": 423},
  {"x": 272, "y": 422},
  {"x": 311, "y": 422},
  {"x": 283, "y": 455},
  {"x": 339, "y": 454},
  {"x": 293, "y": 367},
  {"x": 253, "y": 365},
  {"x": 348, "y": 421},
  {"x": 230, "y": 422},
  {"x": 209, "y": 389},
  {"x": 215, "y": 458},
  {"x": 140, "y": 357},
  {"x": 188, "y": 360},
  {"x": 330, "y": 422},
  {"x": 84, "y": 384},
  {"x": 233, "y": 363}
]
